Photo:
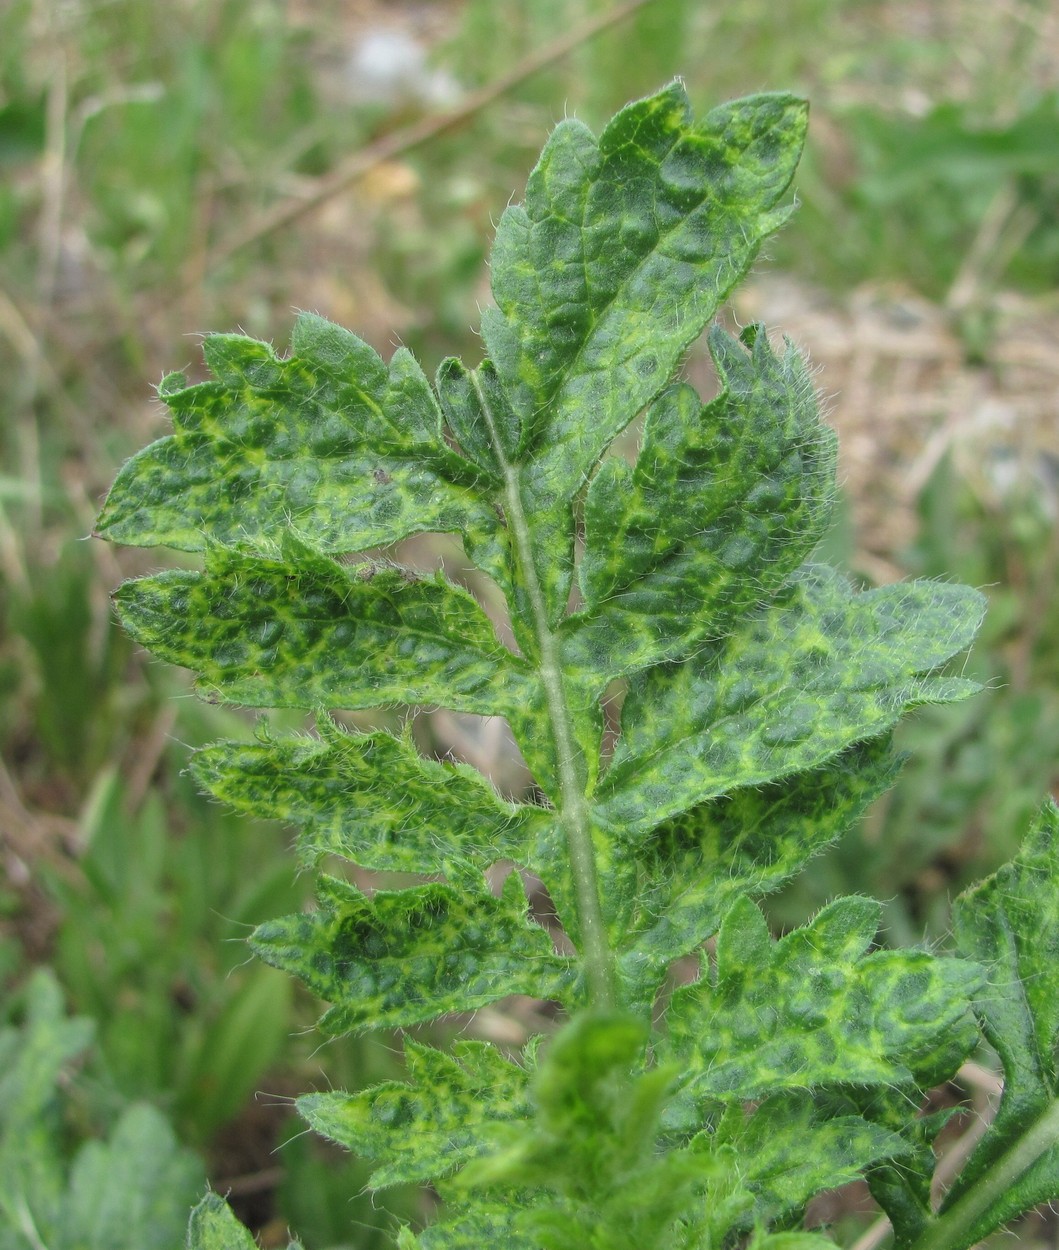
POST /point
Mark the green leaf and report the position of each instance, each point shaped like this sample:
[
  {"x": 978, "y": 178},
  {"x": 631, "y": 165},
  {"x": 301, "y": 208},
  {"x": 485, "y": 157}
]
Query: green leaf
[
  {"x": 473, "y": 1227},
  {"x": 622, "y": 252},
  {"x": 307, "y": 632},
  {"x": 213, "y": 1227},
  {"x": 691, "y": 869},
  {"x": 424, "y": 1128},
  {"x": 330, "y": 442},
  {"x": 594, "y": 1145},
  {"x": 33, "y": 1059},
  {"x": 1010, "y": 923},
  {"x": 758, "y": 692},
  {"x": 373, "y": 799},
  {"x": 723, "y": 503},
  {"x": 131, "y": 1192},
  {"x": 815, "y": 1010},
  {"x": 801, "y": 680},
  {"x": 407, "y": 956},
  {"x": 788, "y": 1150}
]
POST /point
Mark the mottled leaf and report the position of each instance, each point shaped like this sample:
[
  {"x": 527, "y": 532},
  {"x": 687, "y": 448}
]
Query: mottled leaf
[
  {"x": 817, "y": 670},
  {"x": 406, "y": 956},
  {"x": 473, "y": 1227},
  {"x": 307, "y": 632},
  {"x": 759, "y": 693},
  {"x": 814, "y": 1009},
  {"x": 788, "y": 1151},
  {"x": 421, "y": 1129},
  {"x": 724, "y": 502},
  {"x": 331, "y": 442},
  {"x": 620, "y": 255},
  {"x": 213, "y": 1227},
  {"x": 1010, "y": 923},
  {"x": 691, "y": 869},
  {"x": 371, "y": 798}
]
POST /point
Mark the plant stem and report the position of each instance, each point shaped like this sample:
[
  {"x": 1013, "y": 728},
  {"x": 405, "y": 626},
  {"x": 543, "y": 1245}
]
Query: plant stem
[
  {"x": 573, "y": 808},
  {"x": 956, "y": 1228}
]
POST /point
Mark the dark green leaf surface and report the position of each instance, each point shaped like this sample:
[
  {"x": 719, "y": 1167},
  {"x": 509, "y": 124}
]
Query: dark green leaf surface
[
  {"x": 815, "y": 1010},
  {"x": 406, "y": 956},
  {"x": 620, "y": 255},
  {"x": 426, "y": 1127},
  {"x": 307, "y": 632},
  {"x": 724, "y": 502},
  {"x": 371, "y": 798},
  {"x": 818, "y": 670}
]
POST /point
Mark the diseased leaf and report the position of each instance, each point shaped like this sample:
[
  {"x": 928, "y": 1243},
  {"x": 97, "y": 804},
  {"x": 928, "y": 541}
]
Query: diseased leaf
[
  {"x": 406, "y": 956},
  {"x": 307, "y": 632},
  {"x": 815, "y": 1010},
  {"x": 691, "y": 869},
  {"x": 373, "y": 799},
  {"x": 331, "y": 442},
  {"x": 432, "y": 1124},
  {"x": 1010, "y": 923},
  {"x": 794, "y": 685},
  {"x": 724, "y": 502},
  {"x": 213, "y": 1227},
  {"x": 788, "y": 1150},
  {"x": 620, "y": 255},
  {"x": 759, "y": 695},
  {"x": 472, "y": 1227}
]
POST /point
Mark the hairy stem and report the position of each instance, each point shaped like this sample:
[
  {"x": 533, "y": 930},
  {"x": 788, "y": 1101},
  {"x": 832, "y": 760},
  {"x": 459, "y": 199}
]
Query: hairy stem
[
  {"x": 953, "y": 1230},
  {"x": 573, "y": 810}
]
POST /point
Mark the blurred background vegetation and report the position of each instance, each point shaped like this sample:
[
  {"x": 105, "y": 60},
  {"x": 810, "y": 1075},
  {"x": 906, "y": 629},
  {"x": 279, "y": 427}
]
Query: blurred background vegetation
[{"x": 209, "y": 164}]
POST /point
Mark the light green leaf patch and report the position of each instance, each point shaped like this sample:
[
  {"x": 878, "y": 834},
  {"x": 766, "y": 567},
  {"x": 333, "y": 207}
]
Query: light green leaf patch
[
  {"x": 303, "y": 631},
  {"x": 724, "y": 502},
  {"x": 331, "y": 443},
  {"x": 815, "y": 1010},
  {"x": 817, "y": 670},
  {"x": 421, "y": 1129},
  {"x": 372, "y": 799},
  {"x": 403, "y": 957}
]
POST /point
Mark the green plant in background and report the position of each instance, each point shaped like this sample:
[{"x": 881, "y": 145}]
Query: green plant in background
[
  {"x": 757, "y": 695},
  {"x": 127, "y": 1192}
]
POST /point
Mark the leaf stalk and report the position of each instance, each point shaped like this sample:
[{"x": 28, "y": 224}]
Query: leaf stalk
[
  {"x": 573, "y": 811},
  {"x": 955, "y": 1229}
]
